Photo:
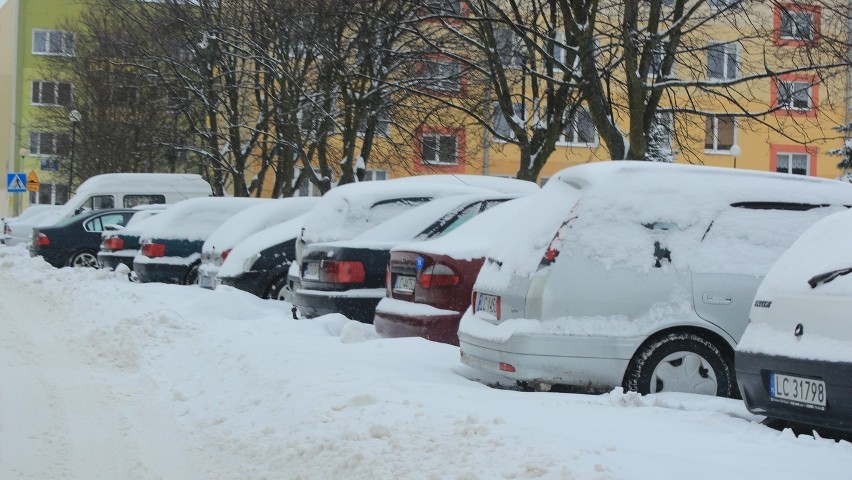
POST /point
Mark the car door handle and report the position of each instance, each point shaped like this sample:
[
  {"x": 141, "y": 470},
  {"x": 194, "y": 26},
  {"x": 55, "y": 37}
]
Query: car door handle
[{"x": 717, "y": 298}]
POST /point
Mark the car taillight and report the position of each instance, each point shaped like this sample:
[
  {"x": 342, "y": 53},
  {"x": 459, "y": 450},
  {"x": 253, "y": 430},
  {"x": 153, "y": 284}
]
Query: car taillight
[
  {"x": 7, "y": 230},
  {"x": 555, "y": 245},
  {"x": 388, "y": 285},
  {"x": 154, "y": 250},
  {"x": 438, "y": 275},
  {"x": 334, "y": 271},
  {"x": 42, "y": 240},
  {"x": 225, "y": 255},
  {"x": 113, "y": 244}
]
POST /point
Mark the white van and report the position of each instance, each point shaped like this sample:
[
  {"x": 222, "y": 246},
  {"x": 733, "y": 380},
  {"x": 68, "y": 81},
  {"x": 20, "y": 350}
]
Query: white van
[
  {"x": 127, "y": 190},
  {"x": 794, "y": 362},
  {"x": 636, "y": 274},
  {"x": 116, "y": 190}
]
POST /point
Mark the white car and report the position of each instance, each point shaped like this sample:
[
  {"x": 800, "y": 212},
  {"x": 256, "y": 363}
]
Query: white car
[
  {"x": 636, "y": 274},
  {"x": 242, "y": 225},
  {"x": 794, "y": 362}
]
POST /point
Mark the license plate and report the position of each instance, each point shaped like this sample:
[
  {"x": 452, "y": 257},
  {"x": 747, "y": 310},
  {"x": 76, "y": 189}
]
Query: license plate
[
  {"x": 488, "y": 303},
  {"x": 206, "y": 281},
  {"x": 797, "y": 390},
  {"x": 404, "y": 284},
  {"x": 312, "y": 271}
]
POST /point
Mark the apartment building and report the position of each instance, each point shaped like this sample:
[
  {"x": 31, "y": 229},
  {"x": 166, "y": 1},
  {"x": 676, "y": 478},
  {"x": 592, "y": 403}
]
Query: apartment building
[{"x": 31, "y": 33}]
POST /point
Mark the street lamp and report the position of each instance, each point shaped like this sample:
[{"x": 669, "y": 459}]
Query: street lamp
[
  {"x": 736, "y": 151},
  {"x": 74, "y": 117}
]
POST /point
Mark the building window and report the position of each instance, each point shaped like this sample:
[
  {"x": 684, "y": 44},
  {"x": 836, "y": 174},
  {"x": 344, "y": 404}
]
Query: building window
[
  {"x": 722, "y": 61},
  {"x": 50, "y": 143},
  {"x": 444, "y": 7},
  {"x": 502, "y": 131},
  {"x": 792, "y": 163},
  {"x": 440, "y": 149},
  {"x": 509, "y": 48},
  {"x": 719, "y": 4},
  {"x": 656, "y": 69},
  {"x": 719, "y": 133},
  {"x": 51, "y": 93},
  {"x": 53, "y": 42},
  {"x": 579, "y": 129},
  {"x": 442, "y": 75},
  {"x": 375, "y": 175},
  {"x": 795, "y": 95},
  {"x": 382, "y": 123},
  {"x": 796, "y": 24}
]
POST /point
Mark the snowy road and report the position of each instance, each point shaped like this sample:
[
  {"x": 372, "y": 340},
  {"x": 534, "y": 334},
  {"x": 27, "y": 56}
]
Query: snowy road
[{"x": 104, "y": 379}]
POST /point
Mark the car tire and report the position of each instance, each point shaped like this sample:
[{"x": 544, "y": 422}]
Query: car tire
[
  {"x": 191, "y": 276},
  {"x": 681, "y": 362},
  {"x": 83, "y": 258},
  {"x": 277, "y": 290}
]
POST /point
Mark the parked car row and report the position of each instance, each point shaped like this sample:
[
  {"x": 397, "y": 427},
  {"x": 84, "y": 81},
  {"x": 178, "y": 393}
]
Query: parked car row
[{"x": 620, "y": 274}]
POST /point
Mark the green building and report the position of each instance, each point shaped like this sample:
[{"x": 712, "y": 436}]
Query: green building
[{"x": 31, "y": 33}]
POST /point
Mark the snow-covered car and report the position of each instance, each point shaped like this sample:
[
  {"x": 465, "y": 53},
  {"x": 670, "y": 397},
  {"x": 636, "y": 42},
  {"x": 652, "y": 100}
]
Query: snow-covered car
[
  {"x": 170, "y": 246},
  {"x": 260, "y": 264},
  {"x": 794, "y": 362},
  {"x": 349, "y": 276},
  {"x": 430, "y": 282},
  {"x": 636, "y": 274},
  {"x": 18, "y": 230},
  {"x": 120, "y": 244},
  {"x": 239, "y": 227},
  {"x": 352, "y": 209}
]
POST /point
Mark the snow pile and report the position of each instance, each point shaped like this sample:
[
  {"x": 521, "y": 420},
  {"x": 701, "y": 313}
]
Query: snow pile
[{"x": 107, "y": 379}]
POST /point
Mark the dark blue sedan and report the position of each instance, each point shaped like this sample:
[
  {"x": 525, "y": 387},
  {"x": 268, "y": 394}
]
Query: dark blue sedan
[{"x": 75, "y": 241}]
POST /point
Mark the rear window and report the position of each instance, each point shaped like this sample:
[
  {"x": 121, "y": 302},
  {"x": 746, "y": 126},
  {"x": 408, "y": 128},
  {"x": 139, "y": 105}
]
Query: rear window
[{"x": 131, "y": 201}]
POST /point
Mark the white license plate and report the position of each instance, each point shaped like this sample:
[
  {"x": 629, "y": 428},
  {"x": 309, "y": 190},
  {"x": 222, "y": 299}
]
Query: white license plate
[
  {"x": 488, "y": 303},
  {"x": 206, "y": 281},
  {"x": 312, "y": 271},
  {"x": 404, "y": 284},
  {"x": 800, "y": 390}
]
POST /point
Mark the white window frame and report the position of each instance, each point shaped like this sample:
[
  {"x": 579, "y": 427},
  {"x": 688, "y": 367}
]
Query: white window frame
[
  {"x": 438, "y": 160},
  {"x": 39, "y": 86},
  {"x": 715, "y": 126},
  {"x": 497, "y": 122},
  {"x": 505, "y": 38},
  {"x": 791, "y": 17},
  {"x": 311, "y": 189},
  {"x": 729, "y": 51},
  {"x": 791, "y": 88},
  {"x": 789, "y": 160},
  {"x": 443, "y": 75},
  {"x": 54, "y": 140},
  {"x": 382, "y": 126},
  {"x": 370, "y": 175},
  {"x": 572, "y": 127},
  {"x": 65, "y": 49}
]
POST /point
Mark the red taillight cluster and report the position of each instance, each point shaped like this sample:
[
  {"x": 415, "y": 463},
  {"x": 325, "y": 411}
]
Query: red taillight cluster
[
  {"x": 154, "y": 250},
  {"x": 555, "y": 245},
  {"x": 112, "y": 244},
  {"x": 438, "y": 275},
  {"x": 42, "y": 240},
  {"x": 7, "y": 230},
  {"x": 225, "y": 255},
  {"x": 334, "y": 271}
]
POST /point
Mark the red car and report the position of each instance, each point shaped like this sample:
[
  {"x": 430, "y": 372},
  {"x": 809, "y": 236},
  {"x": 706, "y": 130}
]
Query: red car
[{"x": 429, "y": 283}]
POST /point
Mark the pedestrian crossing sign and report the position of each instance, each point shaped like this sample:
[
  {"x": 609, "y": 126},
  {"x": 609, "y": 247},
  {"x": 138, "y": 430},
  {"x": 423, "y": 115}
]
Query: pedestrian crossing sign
[{"x": 16, "y": 182}]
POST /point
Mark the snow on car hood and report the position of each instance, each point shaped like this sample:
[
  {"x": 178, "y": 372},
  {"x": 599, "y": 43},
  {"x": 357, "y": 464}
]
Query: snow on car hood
[
  {"x": 256, "y": 218},
  {"x": 475, "y": 237},
  {"x": 196, "y": 218},
  {"x": 250, "y": 248}
]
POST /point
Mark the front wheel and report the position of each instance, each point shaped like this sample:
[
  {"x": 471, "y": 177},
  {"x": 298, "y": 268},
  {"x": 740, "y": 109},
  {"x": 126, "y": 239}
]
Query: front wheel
[
  {"x": 83, "y": 259},
  {"x": 680, "y": 362}
]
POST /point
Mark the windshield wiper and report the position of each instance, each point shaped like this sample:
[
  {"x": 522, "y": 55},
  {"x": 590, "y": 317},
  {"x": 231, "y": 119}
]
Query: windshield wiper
[{"x": 826, "y": 277}]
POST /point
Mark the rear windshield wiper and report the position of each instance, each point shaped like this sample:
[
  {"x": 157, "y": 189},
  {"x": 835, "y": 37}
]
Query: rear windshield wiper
[{"x": 826, "y": 277}]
